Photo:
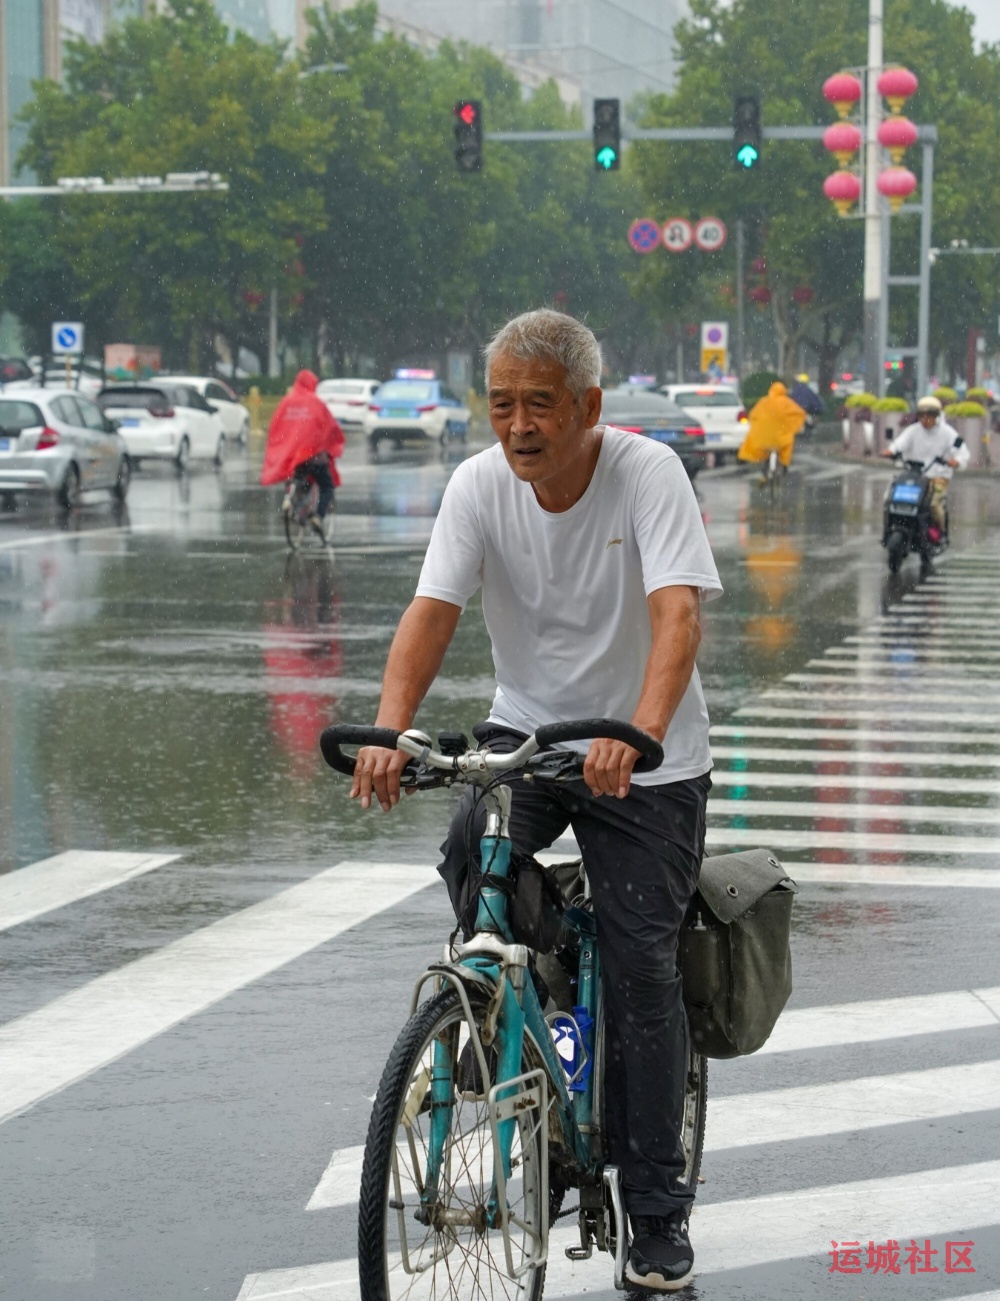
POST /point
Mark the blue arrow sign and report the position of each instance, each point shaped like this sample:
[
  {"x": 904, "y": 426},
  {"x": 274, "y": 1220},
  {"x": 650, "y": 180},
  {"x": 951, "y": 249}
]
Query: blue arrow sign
[{"x": 66, "y": 338}]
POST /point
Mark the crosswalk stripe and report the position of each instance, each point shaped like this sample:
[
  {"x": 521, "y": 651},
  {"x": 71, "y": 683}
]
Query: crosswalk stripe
[
  {"x": 66, "y": 878},
  {"x": 71, "y": 1037},
  {"x": 895, "y": 683},
  {"x": 739, "y": 1234},
  {"x": 877, "y": 654},
  {"x": 890, "y": 842},
  {"x": 781, "y": 1115},
  {"x": 848, "y": 780},
  {"x": 859, "y": 812},
  {"x": 914, "y": 703},
  {"x": 849, "y": 735},
  {"x": 928, "y": 759},
  {"x": 948, "y": 878},
  {"x": 903, "y": 669},
  {"x": 981, "y": 718}
]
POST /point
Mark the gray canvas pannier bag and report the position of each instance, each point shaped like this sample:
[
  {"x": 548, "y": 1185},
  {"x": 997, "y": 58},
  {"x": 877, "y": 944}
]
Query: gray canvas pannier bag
[{"x": 734, "y": 955}]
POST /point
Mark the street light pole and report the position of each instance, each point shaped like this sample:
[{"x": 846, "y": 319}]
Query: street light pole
[
  {"x": 873, "y": 204},
  {"x": 740, "y": 277}
]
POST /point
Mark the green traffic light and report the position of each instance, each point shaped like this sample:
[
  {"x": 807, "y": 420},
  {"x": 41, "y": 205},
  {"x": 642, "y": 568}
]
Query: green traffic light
[
  {"x": 606, "y": 158},
  {"x": 747, "y": 155}
]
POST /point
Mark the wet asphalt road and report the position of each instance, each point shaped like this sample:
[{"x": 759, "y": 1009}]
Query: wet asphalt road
[{"x": 183, "y": 1049}]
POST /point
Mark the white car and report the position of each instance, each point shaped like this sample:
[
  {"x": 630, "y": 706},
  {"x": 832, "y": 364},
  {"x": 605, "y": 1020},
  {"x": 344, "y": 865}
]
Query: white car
[
  {"x": 165, "y": 420},
  {"x": 408, "y": 410},
  {"x": 221, "y": 398},
  {"x": 347, "y": 400},
  {"x": 57, "y": 441},
  {"x": 719, "y": 410}
]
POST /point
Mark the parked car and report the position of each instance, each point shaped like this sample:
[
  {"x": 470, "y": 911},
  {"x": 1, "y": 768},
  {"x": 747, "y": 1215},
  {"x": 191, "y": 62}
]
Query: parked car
[
  {"x": 14, "y": 370},
  {"x": 221, "y": 398},
  {"x": 86, "y": 381},
  {"x": 718, "y": 409},
  {"x": 654, "y": 416},
  {"x": 415, "y": 410},
  {"x": 167, "y": 420},
  {"x": 347, "y": 400},
  {"x": 58, "y": 441}
]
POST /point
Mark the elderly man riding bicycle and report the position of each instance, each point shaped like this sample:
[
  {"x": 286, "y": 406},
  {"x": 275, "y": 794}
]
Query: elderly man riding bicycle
[{"x": 589, "y": 547}]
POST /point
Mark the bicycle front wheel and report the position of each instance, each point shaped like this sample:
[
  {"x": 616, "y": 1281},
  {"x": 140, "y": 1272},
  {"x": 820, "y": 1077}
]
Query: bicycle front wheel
[{"x": 421, "y": 1245}]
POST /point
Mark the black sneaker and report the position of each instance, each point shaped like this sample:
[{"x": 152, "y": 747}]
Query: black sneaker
[{"x": 661, "y": 1255}]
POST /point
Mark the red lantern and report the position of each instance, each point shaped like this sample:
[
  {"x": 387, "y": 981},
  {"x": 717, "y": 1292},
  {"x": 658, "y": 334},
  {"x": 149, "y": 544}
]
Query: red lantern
[
  {"x": 843, "y": 91},
  {"x": 897, "y": 134},
  {"x": 897, "y": 85},
  {"x": 897, "y": 184},
  {"x": 759, "y": 266},
  {"x": 803, "y": 294},
  {"x": 253, "y": 299},
  {"x": 843, "y": 141},
  {"x": 843, "y": 189},
  {"x": 760, "y": 295}
]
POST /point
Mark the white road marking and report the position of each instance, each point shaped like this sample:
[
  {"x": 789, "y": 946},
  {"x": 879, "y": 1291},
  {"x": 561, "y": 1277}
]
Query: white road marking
[
  {"x": 849, "y": 735},
  {"x": 949, "y": 878},
  {"x": 847, "y": 780},
  {"x": 901, "y": 670},
  {"x": 911, "y": 703},
  {"x": 982, "y": 718},
  {"x": 781, "y": 1115},
  {"x": 851, "y": 1106},
  {"x": 890, "y": 842},
  {"x": 46, "y": 539},
  {"x": 68, "y": 1039},
  {"x": 54, "y": 882},
  {"x": 735, "y": 1234},
  {"x": 896, "y": 683},
  {"x": 879, "y": 654},
  {"x": 859, "y": 812},
  {"x": 928, "y": 758}
]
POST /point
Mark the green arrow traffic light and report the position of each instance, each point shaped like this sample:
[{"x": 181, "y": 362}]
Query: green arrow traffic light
[
  {"x": 606, "y": 158},
  {"x": 747, "y": 156}
]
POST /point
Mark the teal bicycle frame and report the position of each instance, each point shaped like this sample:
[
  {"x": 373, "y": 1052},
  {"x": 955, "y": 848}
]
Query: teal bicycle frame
[{"x": 494, "y": 964}]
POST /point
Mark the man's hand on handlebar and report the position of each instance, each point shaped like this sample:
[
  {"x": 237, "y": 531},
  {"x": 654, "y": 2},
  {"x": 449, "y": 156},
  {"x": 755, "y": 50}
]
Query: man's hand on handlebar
[
  {"x": 377, "y": 772},
  {"x": 607, "y": 770}
]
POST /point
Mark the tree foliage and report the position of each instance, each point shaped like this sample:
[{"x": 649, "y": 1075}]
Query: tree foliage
[
  {"x": 344, "y": 196},
  {"x": 783, "y": 51}
]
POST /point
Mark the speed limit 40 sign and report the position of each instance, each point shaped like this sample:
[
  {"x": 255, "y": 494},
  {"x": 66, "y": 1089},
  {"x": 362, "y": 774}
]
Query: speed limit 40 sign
[{"x": 710, "y": 234}]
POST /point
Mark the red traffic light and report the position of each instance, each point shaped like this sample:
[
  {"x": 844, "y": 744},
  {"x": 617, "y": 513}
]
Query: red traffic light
[{"x": 468, "y": 112}]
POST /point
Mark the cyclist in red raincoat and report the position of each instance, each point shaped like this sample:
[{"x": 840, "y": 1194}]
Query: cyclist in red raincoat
[{"x": 304, "y": 438}]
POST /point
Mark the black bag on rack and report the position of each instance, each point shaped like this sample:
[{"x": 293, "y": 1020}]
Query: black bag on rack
[{"x": 734, "y": 955}]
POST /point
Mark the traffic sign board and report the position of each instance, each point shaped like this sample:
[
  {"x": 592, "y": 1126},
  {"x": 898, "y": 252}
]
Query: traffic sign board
[
  {"x": 678, "y": 234},
  {"x": 710, "y": 234},
  {"x": 67, "y": 338},
  {"x": 644, "y": 235}
]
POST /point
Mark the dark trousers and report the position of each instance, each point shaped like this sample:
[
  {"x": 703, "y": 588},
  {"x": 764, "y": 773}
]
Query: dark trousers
[
  {"x": 642, "y": 856},
  {"x": 318, "y": 468}
]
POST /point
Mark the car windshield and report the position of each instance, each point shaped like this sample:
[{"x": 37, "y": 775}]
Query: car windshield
[
  {"x": 146, "y": 398},
  {"x": 15, "y": 416},
  {"x": 619, "y": 408},
  {"x": 402, "y": 390},
  {"x": 706, "y": 397}
]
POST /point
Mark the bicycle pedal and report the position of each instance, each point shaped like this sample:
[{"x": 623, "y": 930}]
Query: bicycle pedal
[{"x": 580, "y": 1253}]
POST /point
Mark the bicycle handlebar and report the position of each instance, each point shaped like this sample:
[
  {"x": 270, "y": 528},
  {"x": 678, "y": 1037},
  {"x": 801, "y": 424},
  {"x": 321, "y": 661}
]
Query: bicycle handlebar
[{"x": 482, "y": 762}]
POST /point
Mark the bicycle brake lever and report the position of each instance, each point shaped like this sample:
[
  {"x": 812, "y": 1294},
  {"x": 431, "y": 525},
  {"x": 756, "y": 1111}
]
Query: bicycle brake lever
[{"x": 554, "y": 765}]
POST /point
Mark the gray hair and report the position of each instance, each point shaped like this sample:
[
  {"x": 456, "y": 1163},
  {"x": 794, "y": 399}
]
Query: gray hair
[{"x": 545, "y": 335}]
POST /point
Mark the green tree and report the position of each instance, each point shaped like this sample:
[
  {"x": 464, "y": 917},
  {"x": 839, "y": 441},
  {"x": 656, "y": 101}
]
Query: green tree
[
  {"x": 784, "y": 51},
  {"x": 168, "y": 93}
]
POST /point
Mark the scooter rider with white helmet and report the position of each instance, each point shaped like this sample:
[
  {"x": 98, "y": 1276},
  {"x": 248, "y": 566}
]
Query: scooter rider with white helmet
[{"x": 941, "y": 451}]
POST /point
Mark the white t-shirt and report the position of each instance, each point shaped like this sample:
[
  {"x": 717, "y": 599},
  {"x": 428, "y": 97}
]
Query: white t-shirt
[
  {"x": 915, "y": 443},
  {"x": 564, "y": 594}
]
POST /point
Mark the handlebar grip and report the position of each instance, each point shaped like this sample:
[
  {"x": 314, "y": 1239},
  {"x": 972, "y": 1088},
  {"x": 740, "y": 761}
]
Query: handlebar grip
[
  {"x": 586, "y": 729},
  {"x": 353, "y": 734}
]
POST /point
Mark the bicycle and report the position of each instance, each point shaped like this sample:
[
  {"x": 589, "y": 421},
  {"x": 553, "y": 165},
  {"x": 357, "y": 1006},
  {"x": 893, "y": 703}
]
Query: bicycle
[
  {"x": 480, "y": 1126},
  {"x": 299, "y": 504}
]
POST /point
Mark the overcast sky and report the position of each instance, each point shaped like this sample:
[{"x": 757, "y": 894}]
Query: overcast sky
[{"x": 987, "y": 18}]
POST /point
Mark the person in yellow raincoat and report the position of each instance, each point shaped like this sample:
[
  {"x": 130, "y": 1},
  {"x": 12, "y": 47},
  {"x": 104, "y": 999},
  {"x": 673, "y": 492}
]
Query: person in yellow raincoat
[{"x": 774, "y": 422}]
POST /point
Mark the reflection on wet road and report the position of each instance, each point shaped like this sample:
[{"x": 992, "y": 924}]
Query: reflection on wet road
[{"x": 203, "y": 888}]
